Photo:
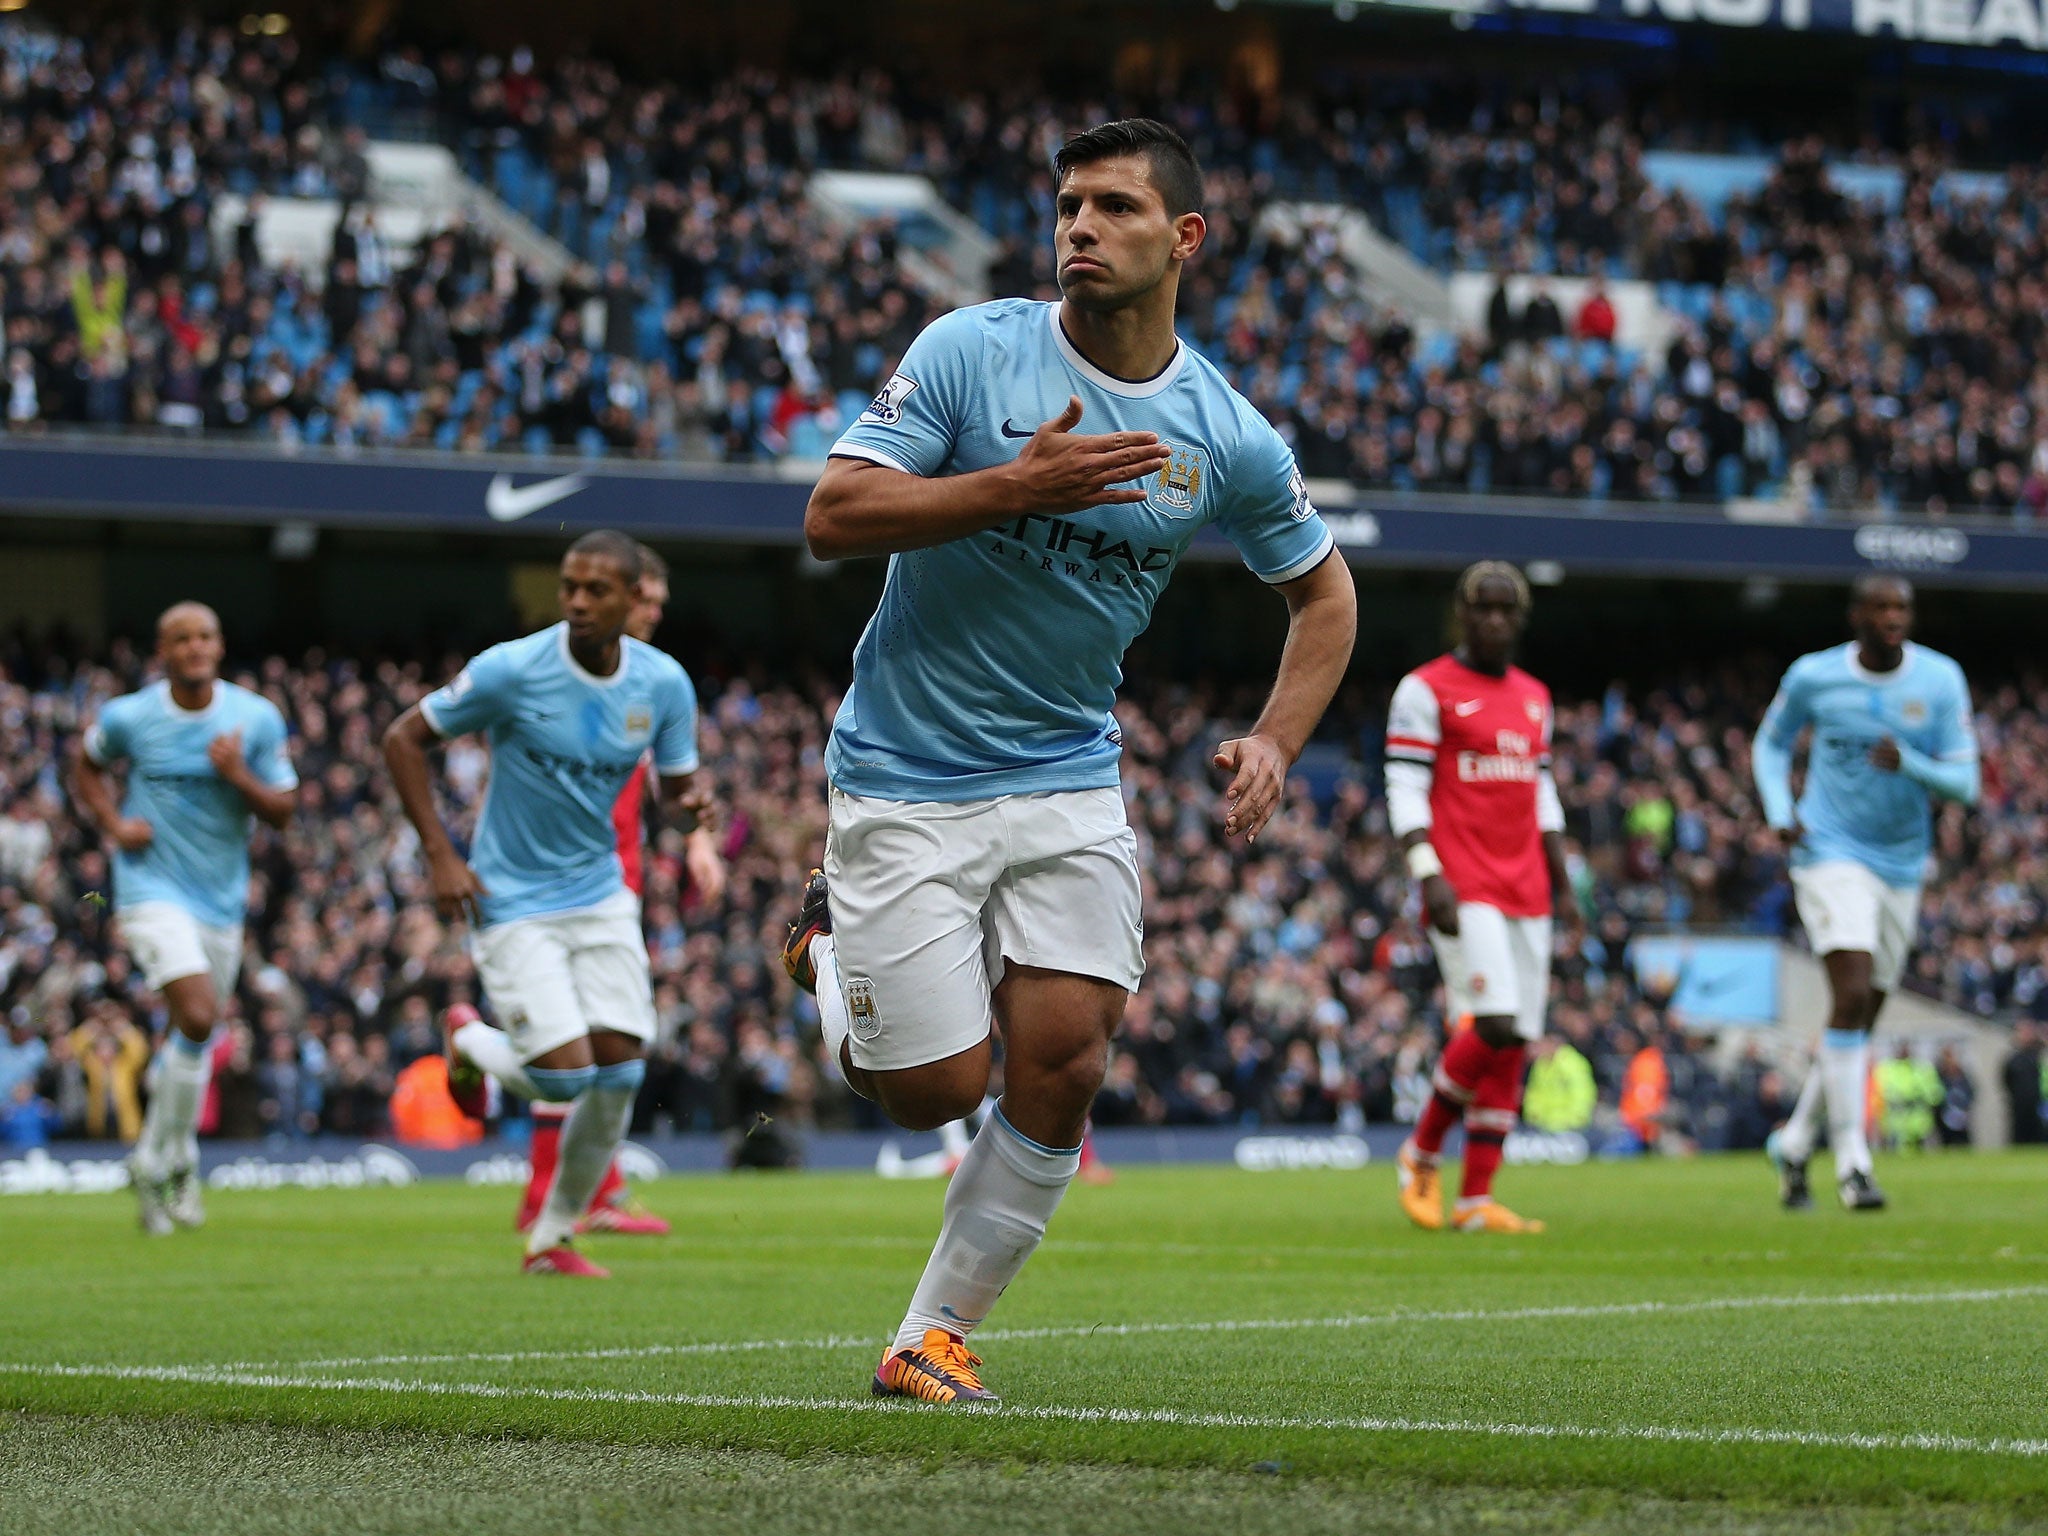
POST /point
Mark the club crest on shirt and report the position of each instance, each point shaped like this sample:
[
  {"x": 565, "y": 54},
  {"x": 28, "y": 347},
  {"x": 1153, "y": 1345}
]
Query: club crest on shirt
[
  {"x": 1914, "y": 712},
  {"x": 639, "y": 721},
  {"x": 861, "y": 1009},
  {"x": 1180, "y": 483},
  {"x": 1535, "y": 711}
]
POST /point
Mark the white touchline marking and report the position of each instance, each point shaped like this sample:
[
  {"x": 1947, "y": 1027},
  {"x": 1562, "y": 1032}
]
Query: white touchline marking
[
  {"x": 1179, "y": 1418},
  {"x": 1127, "y": 1330}
]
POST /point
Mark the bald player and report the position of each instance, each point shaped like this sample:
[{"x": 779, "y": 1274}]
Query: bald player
[{"x": 203, "y": 759}]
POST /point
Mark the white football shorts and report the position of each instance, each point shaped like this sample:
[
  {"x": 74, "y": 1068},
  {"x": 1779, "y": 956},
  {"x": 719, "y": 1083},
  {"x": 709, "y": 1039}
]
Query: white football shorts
[
  {"x": 1496, "y": 965},
  {"x": 556, "y": 977},
  {"x": 1846, "y": 906},
  {"x": 931, "y": 899},
  {"x": 169, "y": 944}
]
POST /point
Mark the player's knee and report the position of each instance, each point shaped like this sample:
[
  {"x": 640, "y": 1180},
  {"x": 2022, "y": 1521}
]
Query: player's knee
[
  {"x": 928, "y": 1109},
  {"x": 1069, "y": 1081},
  {"x": 1852, "y": 1007},
  {"x": 925, "y": 1098},
  {"x": 1497, "y": 1030}
]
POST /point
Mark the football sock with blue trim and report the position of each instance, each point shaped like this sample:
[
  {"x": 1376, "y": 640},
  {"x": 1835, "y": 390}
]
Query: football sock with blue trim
[
  {"x": 592, "y": 1135},
  {"x": 1001, "y": 1198}
]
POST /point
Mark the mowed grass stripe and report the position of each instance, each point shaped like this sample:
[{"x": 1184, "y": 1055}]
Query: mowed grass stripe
[
  {"x": 1211, "y": 1325},
  {"x": 1163, "y": 1417}
]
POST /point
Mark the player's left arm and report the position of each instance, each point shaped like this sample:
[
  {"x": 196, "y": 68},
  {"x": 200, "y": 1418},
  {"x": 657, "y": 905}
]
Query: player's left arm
[
  {"x": 1564, "y": 901},
  {"x": 685, "y": 795},
  {"x": 1266, "y": 512},
  {"x": 262, "y": 772},
  {"x": 1322, "y": 621},
  {"x": 1952, "y": 771}
]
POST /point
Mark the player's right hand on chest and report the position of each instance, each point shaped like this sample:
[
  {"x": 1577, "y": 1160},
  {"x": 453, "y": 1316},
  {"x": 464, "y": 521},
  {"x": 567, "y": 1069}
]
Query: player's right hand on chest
[
  {"x": 1061, "y": 470},
  {"x": 133, "y": 834},
  {"x": 1440, "y": 905}
]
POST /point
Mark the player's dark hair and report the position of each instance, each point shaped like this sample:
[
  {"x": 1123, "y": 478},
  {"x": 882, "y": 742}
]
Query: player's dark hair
[
  {"x": 1174, "y": 171},
  {"x": 1868, "y": 585},
  {"x": 652, "y": 564},
  {"x": 607, "y": 544},
  {"x": 1480, "y": 572}
]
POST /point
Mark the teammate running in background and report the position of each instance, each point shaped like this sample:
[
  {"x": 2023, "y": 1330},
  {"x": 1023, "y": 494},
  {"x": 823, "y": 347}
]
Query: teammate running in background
[
  {"x": 610, "y": 1208},
  {"x": 1470, "y": 797},
  {"x": 570, "y": 712},
  {"x": 1891, "y": 725},
  {"x": 203, "y": 758},
  {"x": 980, "y": 866}
]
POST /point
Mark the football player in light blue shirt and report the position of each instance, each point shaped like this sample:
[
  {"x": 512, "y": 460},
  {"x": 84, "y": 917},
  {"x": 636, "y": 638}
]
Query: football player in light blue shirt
[
  {"x": 569, "y": 712},
  {"x": 978, "y": 862},
  {"x": 1891, "y": 726},
  {"x": 204, "y": 760}
]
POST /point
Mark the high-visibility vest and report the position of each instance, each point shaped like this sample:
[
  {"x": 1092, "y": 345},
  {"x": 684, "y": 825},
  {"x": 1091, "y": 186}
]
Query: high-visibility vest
[
  {"x": 423, "y": 1113},
  {"x": 1645, "y": 1090},
  {"x": 1561, "y": 1093}
]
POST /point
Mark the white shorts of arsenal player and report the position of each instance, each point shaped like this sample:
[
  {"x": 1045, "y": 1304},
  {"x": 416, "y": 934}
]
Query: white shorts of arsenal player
[{"x": 1496, "y": 965}]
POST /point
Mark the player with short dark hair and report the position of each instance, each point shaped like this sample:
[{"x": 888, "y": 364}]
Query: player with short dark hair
[
  {"x": 979, "y": 866},
  {"x": 1891, "y": 725},
  {"x": 570, "y": 711},
  {"x": 1470, "y": 797},
  {"x": 610, "y": 1208},
  {"x": 206, "y": 759}
]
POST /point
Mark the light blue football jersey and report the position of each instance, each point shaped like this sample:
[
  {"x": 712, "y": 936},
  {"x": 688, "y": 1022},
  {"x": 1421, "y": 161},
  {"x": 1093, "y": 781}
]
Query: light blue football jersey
[
  {"x": 563, "y": 744},
  {"x": 1851, "y": 809},
  {"x": 199, "y": 858},
  {"x": 992, "y": 664}
]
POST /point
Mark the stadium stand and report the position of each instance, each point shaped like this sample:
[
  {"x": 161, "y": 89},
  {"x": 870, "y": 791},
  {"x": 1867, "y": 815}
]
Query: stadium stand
[
  {"x": 1286, "y": 987},
  {"x": 1843, "y": 339}
]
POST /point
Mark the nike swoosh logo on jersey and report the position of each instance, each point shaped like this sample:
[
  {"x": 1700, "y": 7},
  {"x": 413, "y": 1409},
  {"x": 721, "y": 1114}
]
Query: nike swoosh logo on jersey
[
  {"x": 1010, "y": 431},
  {"x": 1469, "y": 707},
  {"x": 508, "y": 503}
]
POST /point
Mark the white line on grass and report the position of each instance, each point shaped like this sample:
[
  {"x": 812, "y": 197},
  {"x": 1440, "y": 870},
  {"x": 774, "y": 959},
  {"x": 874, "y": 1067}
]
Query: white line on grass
[
  {"x": 1178, "y": 1418},
  {"x": 1218, "y": 1325}
]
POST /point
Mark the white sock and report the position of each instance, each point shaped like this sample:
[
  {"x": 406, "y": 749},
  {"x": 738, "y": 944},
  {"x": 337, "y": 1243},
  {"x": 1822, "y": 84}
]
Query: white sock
[
  {"x": 492, "y": 1050},
  {"x": 833, "y": 1019},
  {"x": 597, "y": 1124},
  {"x": 997, "y": 1206},
  {"x": 170, "y": 1131},
  {"x": 1795, "y": 1140},
  {"x": 1845, "y": 1062}
]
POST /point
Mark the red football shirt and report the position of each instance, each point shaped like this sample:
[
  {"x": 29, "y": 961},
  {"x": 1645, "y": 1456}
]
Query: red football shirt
[
  {"x": 1487, "y": 742},
  {"x": 629, "y": 813}
]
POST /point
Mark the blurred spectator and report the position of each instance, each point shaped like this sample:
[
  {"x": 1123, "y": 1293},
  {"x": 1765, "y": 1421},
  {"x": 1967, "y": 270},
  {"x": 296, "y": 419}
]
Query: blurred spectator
[
  {"x": 1912, "y": 1093},
  {"x": 423, "y": 1112},
  {"x": 1645, "y": 1100},
  {"x": 27, "y": 1119},
  {"x": 2023, "y": 1085},
  {"x": 23, "y": 1052},
  {"x": 1560, "y": 1095},
  {"x": 1596, "y": 320},
  {"x": 113, "y": 1055},
  {"x": 1958, "y": 1096}
]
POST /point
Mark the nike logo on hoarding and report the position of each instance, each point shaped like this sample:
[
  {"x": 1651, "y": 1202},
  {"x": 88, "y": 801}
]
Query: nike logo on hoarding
[
  {"x": 1469, "y": 707},
  {"x": 507, "y": 503},
  {"x": 1010, "y": 431}
]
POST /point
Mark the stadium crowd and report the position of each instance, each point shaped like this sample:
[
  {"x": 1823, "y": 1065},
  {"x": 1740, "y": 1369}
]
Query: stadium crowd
[
  {"x": 1287, "y": 983},
  {"x": 1841, "y": 354}
]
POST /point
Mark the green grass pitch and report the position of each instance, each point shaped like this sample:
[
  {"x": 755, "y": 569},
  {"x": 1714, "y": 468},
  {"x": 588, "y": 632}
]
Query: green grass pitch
[{"x": 1192, "y": 1350}]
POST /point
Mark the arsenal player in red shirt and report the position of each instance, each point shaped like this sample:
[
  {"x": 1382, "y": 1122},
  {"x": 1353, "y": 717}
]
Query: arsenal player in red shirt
[
  {"x": 1470, "y": 797},
  {"x": 609, "y": 1209}
]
